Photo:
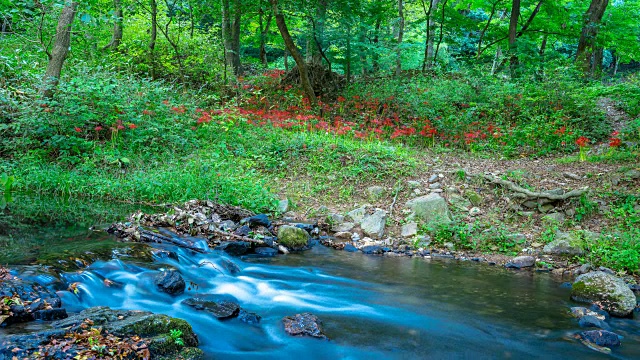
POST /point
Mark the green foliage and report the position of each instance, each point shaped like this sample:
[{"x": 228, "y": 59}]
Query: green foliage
[
  {"x": 586, "y": 207},
  {"x": 176, "y": 336}
]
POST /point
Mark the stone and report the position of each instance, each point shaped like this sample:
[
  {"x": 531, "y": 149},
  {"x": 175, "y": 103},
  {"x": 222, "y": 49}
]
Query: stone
[
  {"x": 459, "y": 202},
  {"x": 292, "y": 237},
  {"x": 572, "y": 176},
  {"x": 266, "y": 251},
  {"x": 474, "y": 211},
  {"x": 564, "y": 244},
  {"x": 430, "y": 208},
  {"x": 601, "y": 338},
  {"x": 610, "y": 292},
  {"x": 475, "y": 198},
  {"x": 335, "y": 218},
  {"x": 412, "y": 184},
  {"x": 592, "y": 321},
  {"x": 257, "y": 220},
  {"x": 350, "y": 248},
  {"x": 234, "y": 248},
  {"x": 170, "y": 282},
  {"x": 343, "y": 235},
  {"x": 357, "y": 215},
  {"x": 580, "y": 312},
  {"x": 305, "y": 324},
  {"x": 243, "y": 230},
  {"x": 154, "y": 328},
  {"x": 521, "y": 262},
  {"x": 342, "y": 227},
  {"x": 372, "y": 249},
  {"x": 249, "y": 317},
  {"x": 375, "y": 192},
  {"x": 161, "y": 254},
  {"x": 50, "y": 314},
  {"x": 433, "y": 178},
  {"x": 26, "y": 291},
  {"x": 553, "y": 219},
  {"x": 435, "y": 185},
  {"x": 373, "y": 225},
  {"x": 283, "y": 206},
  {"x": 545, "y": 208},
  {"x": 409, "y": 229},
  {"x": 632, "y": 174},
  {"x": 218, "y": 308}
]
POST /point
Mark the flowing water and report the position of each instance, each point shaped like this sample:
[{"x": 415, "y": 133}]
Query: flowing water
[{"x": 372, "y": 307}]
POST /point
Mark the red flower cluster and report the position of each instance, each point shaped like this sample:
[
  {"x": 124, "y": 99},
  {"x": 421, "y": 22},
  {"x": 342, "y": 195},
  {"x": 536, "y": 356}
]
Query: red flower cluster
[
  {"x": 614, "y": 140},
  {"x": 582, "y": 141}
]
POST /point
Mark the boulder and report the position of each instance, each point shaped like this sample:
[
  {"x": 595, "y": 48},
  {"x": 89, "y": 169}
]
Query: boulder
[
  {"x": 234, "y": 248},
  {"x": 170, "y": 281},
  {"x": 608, "y": 291},
  {"x": 373, "y": 225},
  {"x": 430, "y": 208},
  {"x": 372, "y": 249},
  {"x": 553, "y": 219},
  {"x": 152, "y": 328},
  {"x": 580, "y": 312},
  {"x": 257, "y": 220},
  {"x": 28, "y": 299},
  {"x": 375, "y": 192},
  {"x": 564, "y": 244},
  {"x": 409, "y": 229},
  {"x": 357, "y": 215},
  {"x": 475, "y": 198},
  {"x": 292, "y": 237},
  {"x": 350, "y": 248},
  {"x": 343, "y": 227},
  {"x": 521, "y": 262},
  {"x": 303, "y": 324},
  {"x": 216, "y": 307},
  {"x": 249, "y": 317},
  {"x": 592, "y": 321},
  {"x": 283, "y": 206},
  {"x": 266, "y": 251},
  {"x": 601, "y": 338}
]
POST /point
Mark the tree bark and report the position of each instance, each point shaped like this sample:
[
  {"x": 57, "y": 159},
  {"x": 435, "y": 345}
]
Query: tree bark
[
  {"x": 427, "y": 61},
  {"x": 435, "y": 53},
  {"x": 116, "y": 36},
  {"x": 513, "y": 28},
  {"x": 264, "y": 30},
  {"x": 231, "y": 34},
  {"x": 293, "y": 50},
  {"x": 587, "y": 42},
  {"x": 400, "y": 35},
  {"x": 319, "y": 30},
  {"x": 60, "y": 49},
  {"x": 153, "y": 37}
]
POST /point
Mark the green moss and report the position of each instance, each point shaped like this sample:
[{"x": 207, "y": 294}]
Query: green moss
[{"x": 292, "y": 237}]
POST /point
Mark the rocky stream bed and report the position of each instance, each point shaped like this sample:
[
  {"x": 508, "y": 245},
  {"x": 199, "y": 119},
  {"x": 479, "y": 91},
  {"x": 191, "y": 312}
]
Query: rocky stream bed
[{"x": 218, "y": 261}]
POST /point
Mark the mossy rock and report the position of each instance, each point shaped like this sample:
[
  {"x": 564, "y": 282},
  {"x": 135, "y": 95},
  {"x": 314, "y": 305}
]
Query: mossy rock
[
  {"x": 292, "y": 237},
  {"x": 565, "y": 243},
  {"x": 475, "y": 198},
  {"x": 608, "y": 291}
]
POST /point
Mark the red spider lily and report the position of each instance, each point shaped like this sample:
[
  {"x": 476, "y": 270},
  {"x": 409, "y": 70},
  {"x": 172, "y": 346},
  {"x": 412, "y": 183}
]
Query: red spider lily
[
  {"x": 615, "y": 142},
  {"x": 77, "y": 129},
  {"x": 120, "y": 127},
  {"x": 560, "y": 131},
  {"x": 98, "y": 128},
  {"x": 132, "y": 126},
  {"x": 148, "y": 112},
  {"x": 179, "y": 109},
  {"x": 341, "y": 99},
  {"x": 582, "y": 141},
  {"x": 166, "y": 102}
]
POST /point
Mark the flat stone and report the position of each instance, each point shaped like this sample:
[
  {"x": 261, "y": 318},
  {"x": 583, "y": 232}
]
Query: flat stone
[
  {"x": 409, "y": 229},
  {"x": 257, "y": 220},
  {"x": 601, "y": 338},
  {"x": 592, "y": 321},
  {"x": 350, "y": 248},
  {"x": 234, "y": 248},
  {"x": 434, "y": 186},
  {"x": 553, "y": 219},
  {"x": 564, "y": 244},
  {"x": 433, "y": 178},
  {"x": 219, "y": 308},
  {"x": 474, "y": 211},
  {"x": 375, "y": 192},
  {"x": 412, "y": 184},
  {"x": 343, "y": 235},
  {"x": 249, "y": 317},
  {"x": 521, "y": 262},
  {"x": 305, "y": 324},
  {"x": 343, "y": 227}
]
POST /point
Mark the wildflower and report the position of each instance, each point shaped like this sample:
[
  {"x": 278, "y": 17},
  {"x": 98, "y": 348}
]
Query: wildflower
[
  {"x": 615, "y": 142},
  {"x": 98, "y": 128},
  {"x": 120, "y": 127},
  {"x": 132, "y": 126},
  {"x": 77, "y": 129},
  {"x": 341, "y": 99},
  {"x": 582, "y": 142}
]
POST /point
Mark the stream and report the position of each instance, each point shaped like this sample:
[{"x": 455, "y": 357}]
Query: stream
[{"x": 372, "y": 307}]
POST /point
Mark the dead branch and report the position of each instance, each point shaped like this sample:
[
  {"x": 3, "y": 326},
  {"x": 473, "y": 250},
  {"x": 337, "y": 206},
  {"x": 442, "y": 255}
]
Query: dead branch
[{"x": 534, "y": 194}]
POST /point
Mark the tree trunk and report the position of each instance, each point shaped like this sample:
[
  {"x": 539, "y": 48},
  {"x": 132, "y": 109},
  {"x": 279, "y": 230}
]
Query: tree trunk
[
  {"x": 264, "y": 30},
  {"x": 231, "y": 34},
  {"x": 319, "y": 30},
  {"x": 293, "y": 50},
  {"x": 513, "y": 29},
  {"x": 541, "y": 52},
  {"x": 286, "y": 60},
  {"x": 361, "y": 51},
  {"x": 60, "y": 49},
  {"x": 496, "y": 60},
  {"x": 596, "y": 65},
  {"x": 400, "y": 35},
  {"x": 348, "y": 56},
  {"x": 435, "y": 53},
  {"x": 427, "y": 61},
  {"x": 153, "y": 37},
  {"x": 376, "y": 40},
  {"x": 116, "y": 36},
  {"x": 587, "y": 43}
]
